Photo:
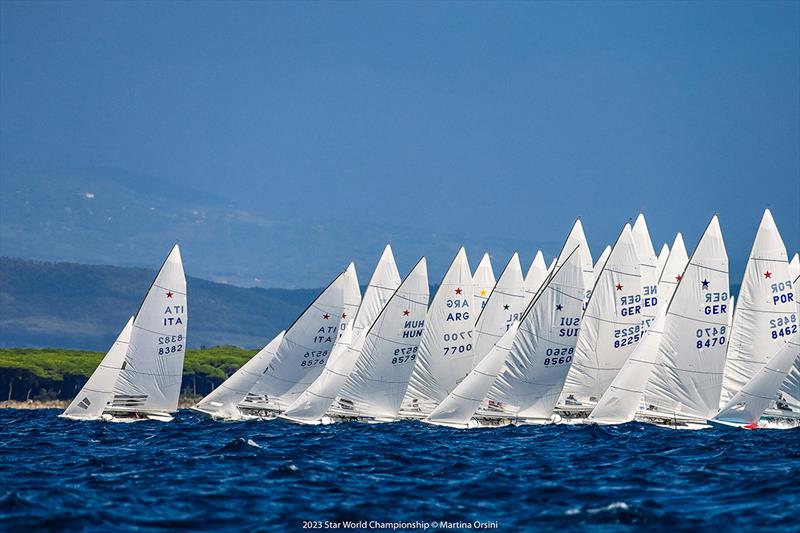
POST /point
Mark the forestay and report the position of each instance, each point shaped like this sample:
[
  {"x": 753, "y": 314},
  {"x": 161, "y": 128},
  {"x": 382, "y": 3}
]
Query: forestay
[
  {"x": 483, "y": 283},
  {"x": 687, "y": 379},
  {"x": 306, "y": 345},
  {"x": 533, "y": 376},
  {"x": 460, "y": 405},
  {"x": 445, "y": 352},
  {"x": 766, "y": 310},
  {"x": 748, "y": 404},
  {"x": 151, "y": 375},
  {"x": 96, "y": 394},
  {"x": 315, "y": 401},
  {"x": 611, "y": 325},
  {"x": 623, "y": 397},
  {"x": 222, "y": 402},
  {"x": 504, "y": 307},
  {"x": 662, "y": 258},
  {"x": 376, "y": 386}
]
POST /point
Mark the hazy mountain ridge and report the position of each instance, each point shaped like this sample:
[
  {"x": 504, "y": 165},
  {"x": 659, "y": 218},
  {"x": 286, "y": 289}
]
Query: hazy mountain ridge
[
  {"x": 68, "y": 305},
  {"x": 106, "y": 216}
]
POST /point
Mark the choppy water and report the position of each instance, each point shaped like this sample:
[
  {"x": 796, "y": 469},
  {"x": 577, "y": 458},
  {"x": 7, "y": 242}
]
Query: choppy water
[{"x": 271, "y": 476}]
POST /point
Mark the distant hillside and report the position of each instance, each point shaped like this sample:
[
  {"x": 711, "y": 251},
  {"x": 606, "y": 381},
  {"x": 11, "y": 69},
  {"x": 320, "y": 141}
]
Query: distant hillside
[{"x": 84, "y": 306}]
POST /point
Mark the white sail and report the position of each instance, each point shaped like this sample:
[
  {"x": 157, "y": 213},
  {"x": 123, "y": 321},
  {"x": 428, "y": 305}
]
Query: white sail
[
  {"x": 376, "y": 386},
  {"x": 460, "y": 405},
  {"x": 532, "y": 378},
  {"x": 749, "y": 403},
  {"x": 662, "y": 258},
  {"x": 151, "y": 375},
  {"x": 687, "y": 379},
  {"x": 535, "y": 278},
  {"x": 623, "y": 397},
  {"x": 504, "y": 307},
  {"x": 445, "y": 352},
  {"x": 766, "y": 311},
  {"x": 790, "y": 390},
  {"x": 315, "y": 401},
  {"x": 648, "y": 263},
  {"x": 385, "y": 280},
  {"x": 483, "y": 282},
  {"x": 222, "y": 402},
  {"x": 577, "y": 238},
  {"x": 96, "y": 394},
  {"x": 306, "y": 346},
  {"x": 601, "y": 261},
  {"x": 611, "y": 326}
]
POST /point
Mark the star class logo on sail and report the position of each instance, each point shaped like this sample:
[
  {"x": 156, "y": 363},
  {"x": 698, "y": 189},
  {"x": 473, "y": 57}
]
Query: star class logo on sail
[
  {"x": 173, "y": 314},
  {"x": 458, "y": 303}
]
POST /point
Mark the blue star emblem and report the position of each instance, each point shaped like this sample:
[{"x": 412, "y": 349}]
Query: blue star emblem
[{"x": 705, "y": 284}]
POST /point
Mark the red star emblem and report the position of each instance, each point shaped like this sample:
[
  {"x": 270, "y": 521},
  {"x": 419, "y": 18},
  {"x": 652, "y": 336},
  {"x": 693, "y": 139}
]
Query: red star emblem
[
  {"x": 678, "y": 277},
  {"x": 767, "y": 274},
  {"x": 619, "y": 287},
  {"x": 406, "y": 312},
  {"x": 458, "y": 290},
  {"x": 344, "y": 315},
  {"x": 326, "y": 316},
  {"x": 169, "y": 294}
]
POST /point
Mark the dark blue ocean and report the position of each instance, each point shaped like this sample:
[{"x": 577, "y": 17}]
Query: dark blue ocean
[{"x": 273, "y": 476}]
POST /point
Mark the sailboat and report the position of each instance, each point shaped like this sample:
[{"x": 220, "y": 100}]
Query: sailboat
[
  {"x": 222, "y": 403},
  {"x": 483, "y": 282},
  {"x": 312, "y": 405},
  {"x": 746, "y": 407},
  {"x": 304, "y": 350},
  {"x": 457, "y": 410},
  {"x": 504, "y": 306},
  {"x": 535, "y": 278},
  {"x": 611, "y": 327},
  {"x": 140, "y": 376},
  {"x": 528, "y": 387},
  {"x": 789, "y": 392},
  {"x": 445, "y": 351},
  {"x": 766, "y": 313},
  {"x": 685, "y": 385},
  {"x": 384, "y": 356},
  {"x": 623, "y": 397}
]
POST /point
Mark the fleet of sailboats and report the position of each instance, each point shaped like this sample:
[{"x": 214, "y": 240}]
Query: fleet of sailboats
[{"x": 636, "y": 336}]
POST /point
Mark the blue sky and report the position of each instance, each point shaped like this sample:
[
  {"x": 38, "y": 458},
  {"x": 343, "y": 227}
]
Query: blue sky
[{"x": 503, "y": 119}]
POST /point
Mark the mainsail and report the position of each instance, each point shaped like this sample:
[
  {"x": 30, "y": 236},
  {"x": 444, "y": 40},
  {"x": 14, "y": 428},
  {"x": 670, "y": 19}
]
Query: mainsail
[
  {"x": 460, "y": 405},
  {"x": 790, "y": 390},
  {"x": 541, "y": 353},
  {"x": 577, "y": 238},
  {"x": 601, "y": 261},
  {"x": 445, "y": 351},
  {"x": 483, "y": 282},
  {"x": 611, "y": 325},
  {"x": 386, "y": 357},
  {"x": 314, "y": 402},
  {"x": 749, "y": 403},
  {"x": 648, "y": 263},
  {"x": 535, "y": 278},
  {"x": 302, "y": 355},
  {"x": 222, "y": 402},
  {"x": 623, "y": 397},
  {"x": 504, "y": 307},
  {"x": 766, "y": 311},
  {"x": 151, "y": 375},
  {"x": 96, "y": 394},
  {"x": 662, "y": 258},
  {"x": 687, "y": 379}
]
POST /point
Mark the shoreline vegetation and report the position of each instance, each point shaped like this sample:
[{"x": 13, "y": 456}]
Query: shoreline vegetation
[{"x": 32, "y": 378}]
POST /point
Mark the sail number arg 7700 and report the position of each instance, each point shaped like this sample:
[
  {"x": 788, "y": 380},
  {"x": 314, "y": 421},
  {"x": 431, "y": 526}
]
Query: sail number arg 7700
[{"x": 462, "y": 340}]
